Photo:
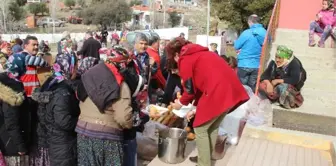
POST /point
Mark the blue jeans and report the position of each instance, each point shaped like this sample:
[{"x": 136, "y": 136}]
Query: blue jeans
[
  {"x": 130, "y": 152},
  {"x": 248, "y": 76},
  {"x": 315, "y": 27}
]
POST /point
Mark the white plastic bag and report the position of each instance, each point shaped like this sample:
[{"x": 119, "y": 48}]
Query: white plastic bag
[
  {"x": 184, "y": 110},
  {"x": 147, "y": 148},
  {"x": 234, "y": 122},
  {"x": 258, "y": 111},
  {"x": 151, "y": 129},
  {"x": 148, "y": 140}
]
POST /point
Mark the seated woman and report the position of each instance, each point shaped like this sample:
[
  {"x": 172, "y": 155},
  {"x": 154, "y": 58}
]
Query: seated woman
[
  {"x": 283, "y": 79},
  {"x": 323, "y": 23}
]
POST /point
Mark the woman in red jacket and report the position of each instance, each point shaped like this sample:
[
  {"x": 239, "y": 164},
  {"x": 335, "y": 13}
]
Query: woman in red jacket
[{"x": 214, "y": 86}]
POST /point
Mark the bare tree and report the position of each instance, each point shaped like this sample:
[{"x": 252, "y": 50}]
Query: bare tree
[{"x": 4, "y": 14}]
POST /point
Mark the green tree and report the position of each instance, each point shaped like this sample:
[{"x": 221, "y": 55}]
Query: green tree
[
  {"x": 174, "y": 19},
  {"x": 107, "y": 13},
  {"x": 236, "y": 12},
  {"x": 69, "y": 3},
  {"x": 16, "y": 12},
  {"x": 81, "y": 3},
  {"x": 21, "y": 2},
  {"x": 36, "y": 8},
  {"x": 135, "y": 2}
]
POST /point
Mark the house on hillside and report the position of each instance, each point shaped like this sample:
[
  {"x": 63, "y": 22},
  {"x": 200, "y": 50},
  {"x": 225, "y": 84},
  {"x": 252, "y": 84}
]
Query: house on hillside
[
  {"x": 142, "y": 15},
  {"x": 34, "y": 1},
  {"x": 37, "y": 1}
]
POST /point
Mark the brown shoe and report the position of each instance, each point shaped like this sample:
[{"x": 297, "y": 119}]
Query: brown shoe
[{"x": 195, "y": 159}]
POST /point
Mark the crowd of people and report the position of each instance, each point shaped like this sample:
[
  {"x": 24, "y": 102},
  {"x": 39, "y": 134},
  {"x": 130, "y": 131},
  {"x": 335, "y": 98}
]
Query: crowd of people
[{"x": 88, "y": 108}]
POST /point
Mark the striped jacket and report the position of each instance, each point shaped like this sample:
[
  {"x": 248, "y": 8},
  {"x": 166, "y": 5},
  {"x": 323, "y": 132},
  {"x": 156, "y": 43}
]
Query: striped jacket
[{"x": 23, "y": 67}]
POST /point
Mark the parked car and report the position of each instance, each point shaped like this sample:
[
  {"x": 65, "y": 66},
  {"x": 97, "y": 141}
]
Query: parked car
[
  {"x": 74, "y": 18},
  {"x": 49, "y": 22}
]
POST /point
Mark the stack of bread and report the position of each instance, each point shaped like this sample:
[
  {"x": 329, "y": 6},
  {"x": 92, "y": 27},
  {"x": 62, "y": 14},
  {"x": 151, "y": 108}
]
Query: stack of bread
[
  {"x": 191, "y": 135},
  {"x": 169, "y": 118}
]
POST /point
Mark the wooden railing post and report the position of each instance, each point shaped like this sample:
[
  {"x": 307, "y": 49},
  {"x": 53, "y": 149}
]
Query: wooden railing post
[{"x": 269, "y": 38}]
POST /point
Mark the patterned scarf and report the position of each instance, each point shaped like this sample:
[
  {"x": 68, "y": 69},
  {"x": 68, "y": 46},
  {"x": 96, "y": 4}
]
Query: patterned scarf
[
  {"x": 285, "y": 53},
  {"x": 86, "y": 63},
  {"x": 66, "y": 45},
  {"x": 62, "y": 68},
  {"x": 16, "y": 66}
]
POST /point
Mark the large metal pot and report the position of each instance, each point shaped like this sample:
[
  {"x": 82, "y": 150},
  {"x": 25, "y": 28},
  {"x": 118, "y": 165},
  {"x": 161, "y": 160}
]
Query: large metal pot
[{"x": 172, "y": 145}]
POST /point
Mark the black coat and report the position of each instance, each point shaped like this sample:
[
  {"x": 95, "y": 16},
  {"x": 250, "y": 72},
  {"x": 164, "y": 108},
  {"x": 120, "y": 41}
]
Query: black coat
[
  {"x": 61, "y": 111},
  {"x": 173, "y": 81},
  {"x": 90, "y": 48},
  {"x": 293, "y": 74},
  {"x": 14, "y": 118},
  {"x": 136, "y": 83}
]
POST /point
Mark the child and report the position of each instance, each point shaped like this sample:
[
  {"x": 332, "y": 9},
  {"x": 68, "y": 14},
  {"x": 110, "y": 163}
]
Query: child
[
  {"x": 232, "y": 61},
  {"x": 323, "y": 23},
  {"x": 214, "y": 48}
]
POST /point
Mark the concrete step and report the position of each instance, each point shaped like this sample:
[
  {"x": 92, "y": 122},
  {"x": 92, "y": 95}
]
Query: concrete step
[
  {"x": 302, "y": 119},
  {"x": 304, "y": 42},
  {"x": 287, "y": 36},
  {"x": 316, "y": 107},
  {"x": 307, "y": 51},
  {"x": 320, "y": 98},
  {"x": 329, "y": 43},
  {"x": 318, "y": 64},
  {"x": 315, "y": 87},
  {"x": 260, "y": 151},
  {"x": 319, "y": 91}
]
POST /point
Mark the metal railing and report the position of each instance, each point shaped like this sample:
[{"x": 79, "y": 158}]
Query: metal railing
[{"x": 269, "y": 39}]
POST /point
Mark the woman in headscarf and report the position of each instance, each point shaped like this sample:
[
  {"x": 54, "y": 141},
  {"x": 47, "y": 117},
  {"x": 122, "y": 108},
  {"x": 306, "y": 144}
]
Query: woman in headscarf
[
  {"x": 214, "y": 93},
  {"x": 283, "y": 79},
  {"x": 57, "y": 114},
  {"x": 17, "y": 47},
  {"x": 5, "y": 52},
  {"x": 123, "y": 59},
  {"x": 105, "y": 102},
  {"x": 14, "y": 124}
]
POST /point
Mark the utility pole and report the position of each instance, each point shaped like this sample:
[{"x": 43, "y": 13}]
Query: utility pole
[
  {"x": 208, "y": 23},
  {"x": 54, "y": 17},
  {"x": 153, "y": 13},
  {"x": 150, "y": 14},
  {"x": 4, "y": 15},
  {"x": 164, "y": 13}
]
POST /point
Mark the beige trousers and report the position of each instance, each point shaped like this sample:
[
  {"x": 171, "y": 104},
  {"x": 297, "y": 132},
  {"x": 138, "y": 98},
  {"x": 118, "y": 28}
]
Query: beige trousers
[{"x": 206, "y": 136}]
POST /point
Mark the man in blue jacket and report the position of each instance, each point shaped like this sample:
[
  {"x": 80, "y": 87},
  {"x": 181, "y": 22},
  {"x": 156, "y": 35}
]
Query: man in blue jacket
[{"x": 249, "y": 45}]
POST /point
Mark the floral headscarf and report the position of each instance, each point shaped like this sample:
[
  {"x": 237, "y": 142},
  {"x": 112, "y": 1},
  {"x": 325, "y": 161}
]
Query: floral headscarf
[
  {"x": 86, "y": 63},
  {"x": 63, "y": 68},
  {"x": 66, "y": 45},
  {"x": 118, "y": 54},
  {"x": 284, "y": 52}
]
